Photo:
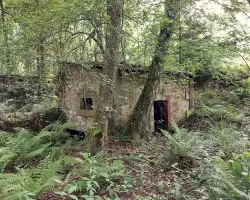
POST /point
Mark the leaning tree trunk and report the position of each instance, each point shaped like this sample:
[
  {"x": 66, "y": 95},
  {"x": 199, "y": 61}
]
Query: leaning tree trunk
[
  {"x": 6, "y": 39},
  {"x": 137, "y": 122},
  {"x": 102, "y": 118}
]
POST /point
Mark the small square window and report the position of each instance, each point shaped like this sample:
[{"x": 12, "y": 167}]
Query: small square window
[{"x": 86, "y": 104}]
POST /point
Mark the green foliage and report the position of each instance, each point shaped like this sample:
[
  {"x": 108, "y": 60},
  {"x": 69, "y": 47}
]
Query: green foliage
[
  {"x": 58, "y": 25},
  {"x": 231, "y": 178},
  {"x": 182, "y": 147},
  {"x": 57, "y": 132},
  {"x": 226, "y": 139},
  {"x": 97, "y": 175},
  {"x": 31, "y": 182},
  {"x": 53, "y": 114},
  {"x": 218, "y": 105},
  {"x": 21, "y": 93},
  {"x": 24, "y": 146},
  {"x": 218, "y": 112},
  {"x": 4, "y": 136},
  {"x": 242, "y": 94}
]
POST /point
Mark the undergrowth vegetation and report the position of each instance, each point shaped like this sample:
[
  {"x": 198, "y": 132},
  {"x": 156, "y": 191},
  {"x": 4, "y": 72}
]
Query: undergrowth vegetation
[
  {"x": 230, "y": 179},
  {"x": 21, "y": 148},
  {"x": 97, "y": 176},
  {"x": 31, "y": 182},
  {"x": 182, "y": 147},
  {"x": 32, "y": 164},
  {"x": 205, "y": 158},
  {"x": 217, "y": 144}
]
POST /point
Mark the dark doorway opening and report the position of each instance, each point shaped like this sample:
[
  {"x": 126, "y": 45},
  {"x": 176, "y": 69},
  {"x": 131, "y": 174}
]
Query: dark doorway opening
[{"x": 160, "y": 115}]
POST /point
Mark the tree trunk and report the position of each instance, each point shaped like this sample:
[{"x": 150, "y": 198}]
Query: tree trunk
[
  {"x": 41, "y": 64},
  {"x": 41, "y": 60},
  {"x": 137, "y": 122},
  {"x": 102, "y": 118},
  {"x": 6, "y": 39},
  {"x": 180, "y": 41}
]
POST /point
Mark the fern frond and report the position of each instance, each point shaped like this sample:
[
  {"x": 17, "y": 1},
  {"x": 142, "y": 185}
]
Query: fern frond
[
  {"x": 224, "y": 182},
  {"x": 32, "y": 181},
  {"x": 37, "y": 152},
  {"x": 23, "y": 147},
  {"x": 171, "y": 139}
]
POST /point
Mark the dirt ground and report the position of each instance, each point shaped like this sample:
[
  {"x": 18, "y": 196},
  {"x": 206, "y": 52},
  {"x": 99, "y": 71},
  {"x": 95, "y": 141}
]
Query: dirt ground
[{"x": 140, "y": 165}]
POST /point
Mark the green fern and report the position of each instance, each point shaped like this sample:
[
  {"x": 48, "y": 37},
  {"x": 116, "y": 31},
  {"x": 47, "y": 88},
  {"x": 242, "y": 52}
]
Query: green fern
[
  {"x": 58, "y": 135},
  {"x": 181, "y": 146},
  {"x": 26, "y": 146},
  {"x": 30, "y": 182},
  {"x": 4, "y": 136},
  {"x": 226, "y": 182},
  {"x": 227, "y": 139}
]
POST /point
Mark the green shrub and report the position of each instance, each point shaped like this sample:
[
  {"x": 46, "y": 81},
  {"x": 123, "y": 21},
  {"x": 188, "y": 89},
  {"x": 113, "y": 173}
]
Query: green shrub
[
  {"x": 4, "y": 136},
  {"x": 183, "y": 147},
  {"x": 227, "y": 139},
  {"x": 242, "y": 94},
  {"x": 25, "y": 146},
  {"x": 31, "y": 182},
  {"x": 209, "y": 98},
  {"x": 220, "y": 112},
  {"x": 234, "y": 96},
  {"x": 231, "y": 179},
  {"x": 57, "y": 132},
  {"x": 97, "y": 175}
]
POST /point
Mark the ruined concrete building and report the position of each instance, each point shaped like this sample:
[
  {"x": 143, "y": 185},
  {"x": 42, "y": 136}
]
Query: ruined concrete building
[{"x": 78, "y": 90}]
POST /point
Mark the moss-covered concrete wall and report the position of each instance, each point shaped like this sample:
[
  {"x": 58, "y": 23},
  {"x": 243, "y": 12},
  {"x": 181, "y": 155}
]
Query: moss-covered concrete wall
[{"x": 76, "y": 83}]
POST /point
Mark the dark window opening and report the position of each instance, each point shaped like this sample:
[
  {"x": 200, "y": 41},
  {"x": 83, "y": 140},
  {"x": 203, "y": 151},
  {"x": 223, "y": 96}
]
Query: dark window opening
[
  {"x": 86, "y": 104},
  {"x": 160, "y": 115}
]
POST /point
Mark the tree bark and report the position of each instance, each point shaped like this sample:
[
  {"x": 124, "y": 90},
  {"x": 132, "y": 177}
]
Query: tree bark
[
  {"x": 137, "y": 123},
  {"x": 40, "y": 50},
  {"x": 41, "y": 71},
  {"x": 103, "y": 115},
  {"x": 6, "y": 39},
  {"x": 41, "y": 60}
]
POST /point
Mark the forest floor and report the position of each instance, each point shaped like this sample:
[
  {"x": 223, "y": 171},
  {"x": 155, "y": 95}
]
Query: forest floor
[{"x": 140, "y": 165}]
